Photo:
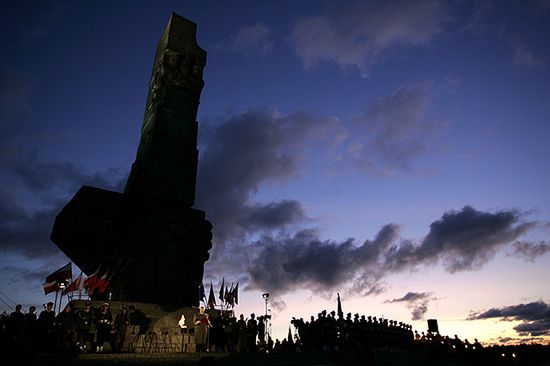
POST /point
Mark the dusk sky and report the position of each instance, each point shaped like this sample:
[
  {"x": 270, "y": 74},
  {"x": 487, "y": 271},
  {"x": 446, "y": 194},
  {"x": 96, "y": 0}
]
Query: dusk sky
[{"x": 396, "y": 152}]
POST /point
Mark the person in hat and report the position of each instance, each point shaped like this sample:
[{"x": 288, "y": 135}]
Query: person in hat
[
  {"x": 104, "y": 326},
  {"x": 85, "y": 326}
]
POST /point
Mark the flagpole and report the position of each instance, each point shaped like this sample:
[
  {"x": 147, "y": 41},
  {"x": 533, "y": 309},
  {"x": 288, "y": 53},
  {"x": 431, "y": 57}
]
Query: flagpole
[
  {"x": 60, "y": 301},
  {"x": 55, "y": 301}
]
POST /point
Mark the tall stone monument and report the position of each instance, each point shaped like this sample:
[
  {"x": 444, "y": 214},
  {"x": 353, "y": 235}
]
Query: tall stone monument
[{"x": 150, "y": 237}]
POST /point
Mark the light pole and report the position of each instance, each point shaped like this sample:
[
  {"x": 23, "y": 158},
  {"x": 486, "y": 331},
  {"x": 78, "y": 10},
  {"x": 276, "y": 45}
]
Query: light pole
[{"x": 266, "y": 317}]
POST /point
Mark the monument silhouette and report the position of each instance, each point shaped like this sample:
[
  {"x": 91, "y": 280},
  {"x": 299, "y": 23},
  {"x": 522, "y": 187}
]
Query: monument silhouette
[{"x": 149, "y": 239}]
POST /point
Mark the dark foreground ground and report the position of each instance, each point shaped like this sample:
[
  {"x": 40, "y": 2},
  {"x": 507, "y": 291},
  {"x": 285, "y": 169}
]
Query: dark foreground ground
[{"x": 285, "y": 359}]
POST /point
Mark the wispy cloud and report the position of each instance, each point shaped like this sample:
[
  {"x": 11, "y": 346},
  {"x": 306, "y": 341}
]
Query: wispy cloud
[
  {"x": 253, "y": 39},
  {"x": 250, "y": 40},
  {"x": 523, "y": 54},
  {"x": 360, "y": 34},
  {"x": 394, "y": 131},
  {"x": 417, "y": 302},
  {"x": 530, "y": 250},
  {"x": 505, "y": 23}
]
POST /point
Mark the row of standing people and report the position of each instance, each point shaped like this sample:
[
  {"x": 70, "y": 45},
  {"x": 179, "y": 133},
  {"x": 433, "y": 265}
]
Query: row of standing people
[
  {"x": 226, "y": 333},
  {"x": 360, "y": 334},
  {"x": 72, "y": 330}
]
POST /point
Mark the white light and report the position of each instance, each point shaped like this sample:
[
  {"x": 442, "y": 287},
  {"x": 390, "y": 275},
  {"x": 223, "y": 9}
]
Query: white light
[
  {"x": 513, "y": 355},
  {"x": 181, "y": 323},
  {"x": 503, "y": 355}
]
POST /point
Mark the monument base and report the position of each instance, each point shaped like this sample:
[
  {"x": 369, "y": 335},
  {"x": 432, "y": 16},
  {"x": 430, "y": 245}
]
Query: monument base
[{"x": 153, "y": 328}]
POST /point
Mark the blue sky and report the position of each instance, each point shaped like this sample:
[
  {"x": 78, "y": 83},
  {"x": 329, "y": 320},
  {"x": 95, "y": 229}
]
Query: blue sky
[{"x": 386, "y": 150}]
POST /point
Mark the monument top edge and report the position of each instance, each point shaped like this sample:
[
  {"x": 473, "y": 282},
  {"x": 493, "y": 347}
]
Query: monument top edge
[{"x": 177, "y": 21}]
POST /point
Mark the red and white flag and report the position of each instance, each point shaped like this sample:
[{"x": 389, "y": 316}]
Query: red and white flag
[
  {"x": 90, "y": 282},
  {"x": 76, "y": 285},
  {"x": 50, "y": 287}
]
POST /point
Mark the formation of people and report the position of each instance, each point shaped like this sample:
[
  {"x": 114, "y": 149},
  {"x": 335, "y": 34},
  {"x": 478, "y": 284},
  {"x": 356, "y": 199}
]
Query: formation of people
[
  {"x": 329, "y": 332},
  {"x": 86, "y": 329}
]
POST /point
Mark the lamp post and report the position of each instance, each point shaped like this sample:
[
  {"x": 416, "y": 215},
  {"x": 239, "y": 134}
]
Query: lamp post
[{"x": 266, "y": 318}]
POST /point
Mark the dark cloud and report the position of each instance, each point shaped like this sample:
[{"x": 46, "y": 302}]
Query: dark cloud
[
  {"x": 249, "y": 150},
  {"x": 39, "y": 176},
  {"x": 530, "y": 251},
  {"x": 519, "y": 340},
  {"x": 535, "y": 317},
  {"x": 469, "y": 238},
  {"x": 28, "y": 233},
  {"x": 305, "y": 261},
  {"x": 274, "y": 215},
  {"x": 360, "y": 34},
  {"x": 26, "y": 224},
  {"x": 417, "y": 302},
  {"x": 461, "y": 240}
]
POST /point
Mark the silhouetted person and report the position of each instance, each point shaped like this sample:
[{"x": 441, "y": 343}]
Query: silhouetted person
[
  {"x": 138, "y": 320},
  {"x": 14, "y": 328},
  {"x": 45, "y": 328},
  {"x": 65, "y": 329},
  {"x": 241, "y": 334},
  {"x": 29, "y": 333},
  {"x": 251, "y": 332},
  {"x": 122, "y": 322},
  {"x": 261, "y": 329}
]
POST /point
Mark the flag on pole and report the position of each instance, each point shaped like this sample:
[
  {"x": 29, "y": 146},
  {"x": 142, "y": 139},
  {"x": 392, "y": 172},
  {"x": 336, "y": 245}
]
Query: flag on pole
[
  {"x": 211, "y": 298},
  {"x": 236, "y": 294},
  {"x": 229, "y": 296},
  {"x": 89, "y": 283},
  {"x": 340, "y": 312},
  {"x": 106, "y": 283},
  {"x": 221, "y": 297},
  {"x": 50, "y": 287},
  {"x": 61, "y": 275},
  {"x": 76, "y": 285},
  {"x": 202, "y": 295},
  {"x": 99, "y": 284}
]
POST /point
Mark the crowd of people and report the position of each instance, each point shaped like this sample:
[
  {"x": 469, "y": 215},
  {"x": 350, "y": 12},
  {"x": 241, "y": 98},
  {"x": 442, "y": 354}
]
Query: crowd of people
[
  {"x": 88, "y": 329},
  {"x": 327, "y": 332},
  {"x": 85, "y": 329},
  {"x": 226, "y": 333}
]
